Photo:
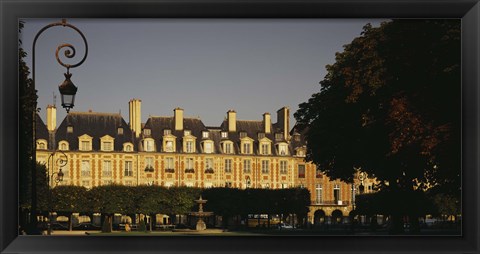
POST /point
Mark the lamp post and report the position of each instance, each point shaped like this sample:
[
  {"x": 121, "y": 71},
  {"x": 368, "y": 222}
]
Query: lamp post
[
  {"x": 56, "y": 177},
  {"x": 67, "y": 90}
]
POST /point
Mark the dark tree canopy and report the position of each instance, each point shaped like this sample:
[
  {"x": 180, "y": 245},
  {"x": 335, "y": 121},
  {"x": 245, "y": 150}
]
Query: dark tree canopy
[{"x": 391, "y": 105}]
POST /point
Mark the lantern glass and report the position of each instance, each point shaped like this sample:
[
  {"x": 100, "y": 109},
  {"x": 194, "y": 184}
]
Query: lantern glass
[{"x": 60, "y": 175}]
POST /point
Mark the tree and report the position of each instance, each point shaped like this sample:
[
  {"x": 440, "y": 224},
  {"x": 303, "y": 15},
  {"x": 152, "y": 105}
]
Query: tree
[
  {"x": 69, "y": 199},
  {"x": 390, "y": 105},
  {"x": 27, "y": 101}
]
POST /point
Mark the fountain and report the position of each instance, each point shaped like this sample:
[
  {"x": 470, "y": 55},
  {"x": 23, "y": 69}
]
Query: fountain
[{"x": 201, "y": 214}]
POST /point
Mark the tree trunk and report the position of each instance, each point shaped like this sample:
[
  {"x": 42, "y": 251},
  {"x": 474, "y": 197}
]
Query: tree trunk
[{"x": 70, "y": 222}]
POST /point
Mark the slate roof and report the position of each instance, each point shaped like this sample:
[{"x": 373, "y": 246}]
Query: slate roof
[
  {"x": 41, "y": 131},
  {"x": 95, "y": 125},
  {"x": 157, "y": 124},
  {"x": 301, "y": 132},
  {"x": 98, "y": 125}
]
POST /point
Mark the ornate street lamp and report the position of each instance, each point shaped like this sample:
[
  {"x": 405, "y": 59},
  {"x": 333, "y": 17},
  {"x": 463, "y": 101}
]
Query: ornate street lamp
[
  {"x": 67, "y": 90},
  {"x": 60, "y": 162}
]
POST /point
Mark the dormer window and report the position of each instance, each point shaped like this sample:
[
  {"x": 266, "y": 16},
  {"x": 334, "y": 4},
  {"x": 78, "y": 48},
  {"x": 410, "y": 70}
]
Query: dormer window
[
  {"x": 243, "y": 134},
  {"x": 69, "y": 129},
  {"x": 205, "y": 134},
  {"x": 169, "y": 146},
  {"x": 149, "y": 145},
  {"x": 261, "y": 135},
  {"x": 247, "y": 148},
  {"x": 278, "y": 136},
  {"x": 187, "y": 133},
  {"x": 63, "y": 145},
  {"x": 147, "y": 132},
  {"x": 42, "y": 144},
  {"x": 264, "y": 149},
  {"x": 296, "y": 137},
  {"x": 228, "y": 147},
  {"x": 106, "y": 143},
  {"x": 85, "y": 143},
  {"x": 107, "y": 146},
  {"x": 208, "y": 147},
  {"x": 120, "y": 131},
  {"x": 189, "y": 146},
  {"x": 282, "y": 149},
  {"x": 301, "y": 152},
  {"x": 224, "y": 134},
  {"x": 127, "y": 147},
  {"x": 167, "y": 132}
]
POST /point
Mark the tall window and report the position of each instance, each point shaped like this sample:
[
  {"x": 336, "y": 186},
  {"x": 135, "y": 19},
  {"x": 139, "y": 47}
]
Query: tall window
[
  {"x": 187, "y": 133},
  {"x": 189, "y": 163},
  {"x": 265, "y": 149},
  {"x": 228, "y": 165},
  {"x": 189, "y": 146},
  {"x": 85, "y": 168},
  {"x": 247, "y": 148},
  {"x": 120, "y": 131},
  {"x": 128, "y": 168},
  {"x": 318, "y": 194},
  {"x": 149, "y": 163},
  {"x": 247, "y": 166},
  {"x": 301, "y": 171},
  {"x": 265, "y": 166},
  {"x": 169, "y": 163},
  {"x": 336, "y": 193},
  {"x": 168, "y": 146},
  {"x": 107, "y": 169},
  {"x": 167, "y": 132},
  {"x": 283, "y": 167},
  {"x": 208, "y": 163},
  {"x": 205, "y": 134},
  {"x": 224, "y": 134},
  {"x": 243, "y": 134}
]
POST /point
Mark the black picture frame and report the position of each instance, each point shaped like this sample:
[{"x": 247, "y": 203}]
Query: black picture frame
[{"x": 11, "y": 11}]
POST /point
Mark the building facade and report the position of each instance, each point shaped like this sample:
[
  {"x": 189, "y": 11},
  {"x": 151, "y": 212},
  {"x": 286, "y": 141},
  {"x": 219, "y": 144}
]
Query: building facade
[{"x": 176, "y": 150}]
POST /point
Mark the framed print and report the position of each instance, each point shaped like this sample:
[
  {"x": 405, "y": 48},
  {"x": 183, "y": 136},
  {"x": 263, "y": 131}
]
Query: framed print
[{"x": 239, "y": 126}]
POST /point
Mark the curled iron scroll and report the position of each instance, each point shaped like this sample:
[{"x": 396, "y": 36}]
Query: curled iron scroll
[
  {"x": 62, "y": 160},
  {"x": 70, "y": 49}
]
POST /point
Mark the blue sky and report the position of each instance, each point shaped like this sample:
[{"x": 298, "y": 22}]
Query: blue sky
[{"x": 205, "y": 66}]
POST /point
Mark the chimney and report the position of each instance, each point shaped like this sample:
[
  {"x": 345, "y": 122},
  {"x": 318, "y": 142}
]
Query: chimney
[
  {"x": 51, "y": 117},
  {"x": 283, "y": 119},
  {"x": 178, "y": 115},
  {"x": 232, "y": 120},
  {"x": 267, "y": 122},
  {"x": 135, "y": 116}
]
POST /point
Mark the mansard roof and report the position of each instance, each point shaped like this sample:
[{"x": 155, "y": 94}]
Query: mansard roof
[
  {"x": 301, "y": 131},
  {"x": 157, "y": 124},
  {"x": 95, "y": 125},
  {"x": 41, "y": 132}
]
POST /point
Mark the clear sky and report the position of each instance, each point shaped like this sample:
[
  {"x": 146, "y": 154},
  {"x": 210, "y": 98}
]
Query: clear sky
[{"x": 205, "y": 66}]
